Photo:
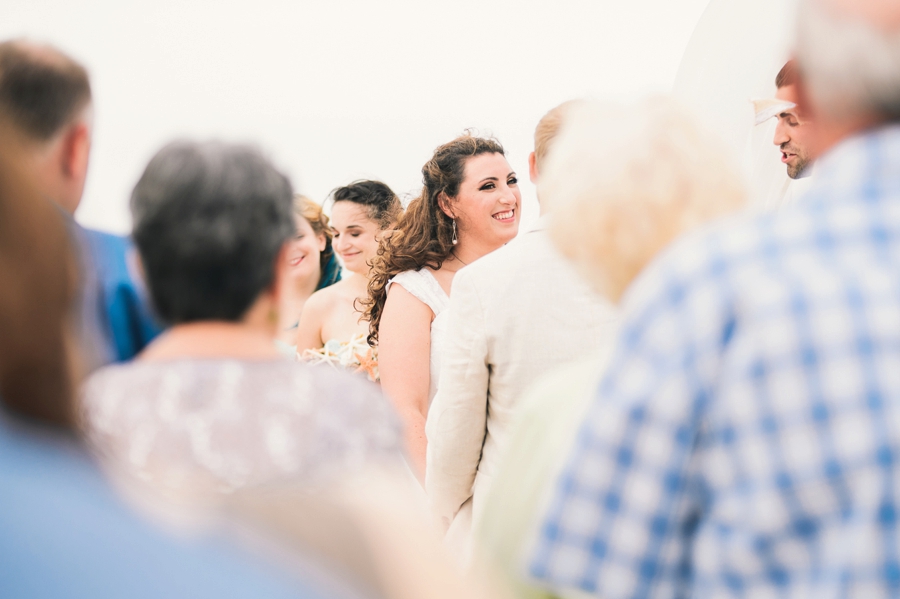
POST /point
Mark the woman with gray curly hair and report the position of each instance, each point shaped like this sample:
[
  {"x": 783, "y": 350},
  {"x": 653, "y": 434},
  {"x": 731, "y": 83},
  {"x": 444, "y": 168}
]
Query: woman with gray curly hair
[{"x": 211, "y": 405}]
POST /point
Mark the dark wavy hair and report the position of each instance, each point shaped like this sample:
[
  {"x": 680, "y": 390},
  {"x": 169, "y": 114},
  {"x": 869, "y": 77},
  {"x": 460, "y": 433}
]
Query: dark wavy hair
[
  {"x": 380, "y": 200},
  {"x": 424, "y": 234}
]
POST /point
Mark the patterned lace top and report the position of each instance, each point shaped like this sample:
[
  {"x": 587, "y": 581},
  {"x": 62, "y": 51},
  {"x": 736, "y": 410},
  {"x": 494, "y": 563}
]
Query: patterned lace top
[{"x": 193, "y": 426}]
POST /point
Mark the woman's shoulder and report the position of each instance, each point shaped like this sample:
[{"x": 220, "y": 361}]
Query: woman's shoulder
[
  {"x": 284, "y": 417},
  {"x": 327, "y": 292},
  {"x": 324, "y": 299},
  {"x": 424, "y": 286},
  {"x": 117, "y": 376},
  {"x": 169, "y": 388}
]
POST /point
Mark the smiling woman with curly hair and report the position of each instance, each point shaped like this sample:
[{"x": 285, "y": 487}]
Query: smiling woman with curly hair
[{"x": 469, "y": 206}]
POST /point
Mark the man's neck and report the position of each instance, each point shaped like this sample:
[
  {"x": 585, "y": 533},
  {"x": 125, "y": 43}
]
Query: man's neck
[
  {"x": 213, "y": 339},
  {"x": 828, "y": 135}
]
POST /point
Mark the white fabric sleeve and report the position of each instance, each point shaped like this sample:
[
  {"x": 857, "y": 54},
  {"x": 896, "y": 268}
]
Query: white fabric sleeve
[{"x": 456, "y": 422}]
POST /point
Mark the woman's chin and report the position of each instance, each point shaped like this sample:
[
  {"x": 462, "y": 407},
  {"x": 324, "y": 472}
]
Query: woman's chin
[
  {"x": 506, "y": 233},
  {"x": 304, "y": 271}
]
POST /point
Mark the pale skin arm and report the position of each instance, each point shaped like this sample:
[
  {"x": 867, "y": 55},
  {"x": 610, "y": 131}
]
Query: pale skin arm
[
  {"x": 404, "y": 362},
  {"x": 309, "y": 330}
]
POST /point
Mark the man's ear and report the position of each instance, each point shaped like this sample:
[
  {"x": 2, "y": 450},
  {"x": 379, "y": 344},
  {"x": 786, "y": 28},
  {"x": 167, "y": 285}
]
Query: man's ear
[
  {"x": 532, "y": 168},
  {"x": 76, "y": 151}
]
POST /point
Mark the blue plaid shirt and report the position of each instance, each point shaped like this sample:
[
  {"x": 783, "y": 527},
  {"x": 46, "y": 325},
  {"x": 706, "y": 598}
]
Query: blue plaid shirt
[{"x": 744, "y": 440}]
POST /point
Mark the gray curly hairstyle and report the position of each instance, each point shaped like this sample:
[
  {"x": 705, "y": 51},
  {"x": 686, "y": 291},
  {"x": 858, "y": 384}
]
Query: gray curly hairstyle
[
  {"x": 851, "y": 65},
  {"x": 622, "y": 183}
]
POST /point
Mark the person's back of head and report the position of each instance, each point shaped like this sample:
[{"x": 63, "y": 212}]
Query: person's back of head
[
  {"x": 47, "y": 97},
  {"x": 623, "y": 182},
  {"x": 848, "y": 59},
  {"x": 546, "y": 131},
  {"x": 210, "y": 220}
]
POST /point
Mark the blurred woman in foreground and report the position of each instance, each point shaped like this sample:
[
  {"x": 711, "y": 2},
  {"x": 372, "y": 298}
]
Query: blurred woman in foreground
[
  {"x": 66, "y": 533},
  {"x": 211, "y": 405},
  {"x": 623, "y": 183}
]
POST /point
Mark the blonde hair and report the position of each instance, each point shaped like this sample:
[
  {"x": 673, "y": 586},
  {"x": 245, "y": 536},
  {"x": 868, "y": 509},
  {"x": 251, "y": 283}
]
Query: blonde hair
[
  {"x": 548, "y": 128},
  {"x": 312, "y": 213},
  {"x": 622, "y": 183}
]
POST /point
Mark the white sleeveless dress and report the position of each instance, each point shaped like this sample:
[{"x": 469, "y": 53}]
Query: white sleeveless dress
[{"x": 424, "y": 287}]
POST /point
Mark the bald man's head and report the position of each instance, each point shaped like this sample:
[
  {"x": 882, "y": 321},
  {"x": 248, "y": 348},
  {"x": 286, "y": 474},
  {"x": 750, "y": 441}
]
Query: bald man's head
[
  {"x": 46, "y": 96},
  {"x": 881, "y": 14},
  {"x": 41, "y": 89},
  {"x": 849, "y": 55}
]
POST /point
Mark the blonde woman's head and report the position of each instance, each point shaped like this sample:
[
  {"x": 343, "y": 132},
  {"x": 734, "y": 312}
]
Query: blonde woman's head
[
  {"x": 623, "y": 182},
  {"x": 313, "y": 239}
]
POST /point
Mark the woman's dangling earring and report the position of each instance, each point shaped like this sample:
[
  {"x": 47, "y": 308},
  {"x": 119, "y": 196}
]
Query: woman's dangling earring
[{"x": 455, "y": 238}]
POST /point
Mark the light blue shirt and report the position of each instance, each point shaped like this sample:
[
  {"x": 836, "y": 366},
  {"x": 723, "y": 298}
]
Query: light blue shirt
[
  {"x": 745, "y": 439},
  {"x": 127, "y": 321},
  {"x": 63, "y": 533}
]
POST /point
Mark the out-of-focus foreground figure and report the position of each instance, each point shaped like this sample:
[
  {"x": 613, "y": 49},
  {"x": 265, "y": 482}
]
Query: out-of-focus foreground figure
[
  {"x": 621, "y": 184},
  {"x": 211, "y": 416},
  {"x": 47, "y": 98},
  {"x": 211, "y": 405},
  {"x": 65, "y": 534},
  {"x": 742, "y": 440}
]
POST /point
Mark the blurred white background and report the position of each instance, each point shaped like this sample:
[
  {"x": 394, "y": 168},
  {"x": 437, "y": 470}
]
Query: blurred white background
[{"x": 344, "y": 89}]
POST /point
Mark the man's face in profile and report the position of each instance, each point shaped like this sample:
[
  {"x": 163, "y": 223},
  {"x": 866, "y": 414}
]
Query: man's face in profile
[{"x": 792, "y": 134}]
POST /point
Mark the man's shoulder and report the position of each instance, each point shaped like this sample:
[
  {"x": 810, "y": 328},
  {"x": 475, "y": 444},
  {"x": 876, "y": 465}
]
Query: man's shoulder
[
  {"x": 712, "y": 255},
  {"x": 108, "y": 250},
  {"x": 525, "y": 251},
  {"x": 106, "y": 240}
]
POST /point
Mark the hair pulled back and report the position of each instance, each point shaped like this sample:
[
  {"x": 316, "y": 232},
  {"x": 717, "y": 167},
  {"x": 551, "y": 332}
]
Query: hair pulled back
[
  {"x": 424, "y": 234},
  {"x": 382, "y": 203}
]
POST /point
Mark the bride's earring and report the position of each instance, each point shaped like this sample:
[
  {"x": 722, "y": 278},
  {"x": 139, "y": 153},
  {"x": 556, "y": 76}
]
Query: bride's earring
[{"x": 455, "y": 237}]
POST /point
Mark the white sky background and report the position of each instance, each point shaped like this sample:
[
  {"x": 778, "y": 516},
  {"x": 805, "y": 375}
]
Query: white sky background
[{"x": 339, "y": 90}]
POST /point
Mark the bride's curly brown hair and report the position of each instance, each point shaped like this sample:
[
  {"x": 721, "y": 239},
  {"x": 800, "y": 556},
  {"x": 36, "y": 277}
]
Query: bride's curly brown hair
[{"x": 424, "y": 234}]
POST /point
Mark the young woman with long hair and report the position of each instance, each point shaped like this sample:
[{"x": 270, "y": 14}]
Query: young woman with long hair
[
  {"x": 469, "y": 206},
  {"x": 331, "y": 327}
]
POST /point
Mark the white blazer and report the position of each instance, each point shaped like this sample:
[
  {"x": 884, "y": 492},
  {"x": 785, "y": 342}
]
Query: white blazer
[{"x": 514, "y": 315}]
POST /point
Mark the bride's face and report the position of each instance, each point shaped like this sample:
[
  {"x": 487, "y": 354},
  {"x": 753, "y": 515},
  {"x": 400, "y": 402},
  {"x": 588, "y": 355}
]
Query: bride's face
[
  {"x": 488, "y": 204},
  {"x": 355, "y": 236}
]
